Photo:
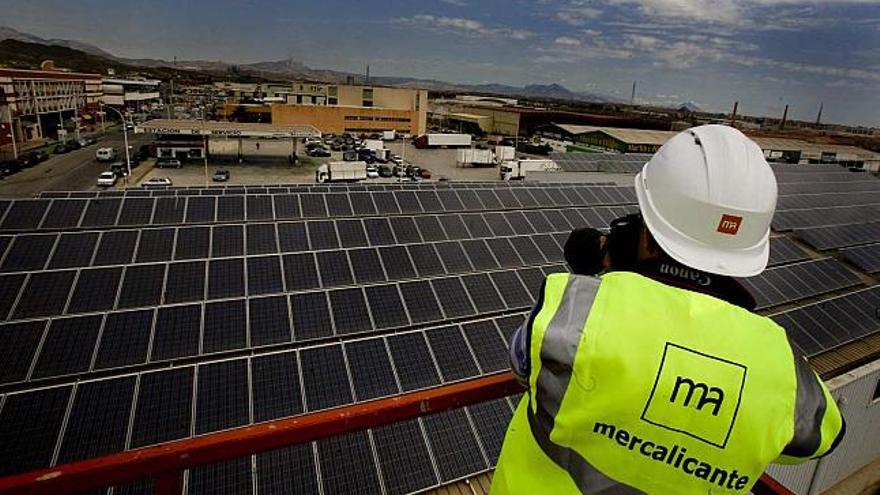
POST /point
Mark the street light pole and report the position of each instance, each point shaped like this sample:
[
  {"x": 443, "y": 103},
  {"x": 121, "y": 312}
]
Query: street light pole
[{"x": 125, "y": 138}]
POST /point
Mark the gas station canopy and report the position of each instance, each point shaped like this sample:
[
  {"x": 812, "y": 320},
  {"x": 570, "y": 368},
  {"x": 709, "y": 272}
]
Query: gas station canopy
[{"x": 231, "y": 129}]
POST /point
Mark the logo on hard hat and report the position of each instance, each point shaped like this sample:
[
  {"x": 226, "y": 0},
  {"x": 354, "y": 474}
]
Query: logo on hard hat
[{"x": 729, "y": 224}]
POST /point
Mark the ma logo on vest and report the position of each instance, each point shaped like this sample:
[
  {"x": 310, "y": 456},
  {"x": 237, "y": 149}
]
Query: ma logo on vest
[{"x": 695, "y": 394}]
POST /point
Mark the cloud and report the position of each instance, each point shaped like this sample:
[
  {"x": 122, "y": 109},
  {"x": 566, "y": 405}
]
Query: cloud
[
  {"x": 708, "y": 11},
  {"x": 457, "y": 3},
  {"x": 567, "y": 41},
  {"x": 577, "y": 15},
  {"x": 468, "y": 27}
]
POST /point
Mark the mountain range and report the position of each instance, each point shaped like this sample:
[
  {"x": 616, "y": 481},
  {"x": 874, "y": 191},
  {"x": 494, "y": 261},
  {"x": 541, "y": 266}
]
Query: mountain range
[{"x": 90, "y": 55}]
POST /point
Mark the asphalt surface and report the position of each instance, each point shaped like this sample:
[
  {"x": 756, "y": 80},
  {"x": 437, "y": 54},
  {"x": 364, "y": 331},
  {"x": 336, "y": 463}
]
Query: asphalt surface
[{"x": 74, "y": 171}]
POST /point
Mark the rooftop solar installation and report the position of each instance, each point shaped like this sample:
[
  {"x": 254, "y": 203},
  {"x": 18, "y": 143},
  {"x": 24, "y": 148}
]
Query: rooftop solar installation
[{"x": 131, "y": 318}]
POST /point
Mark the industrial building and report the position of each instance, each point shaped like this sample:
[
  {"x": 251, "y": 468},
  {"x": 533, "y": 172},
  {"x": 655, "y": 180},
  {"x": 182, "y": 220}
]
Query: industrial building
[
  {"x": 649, "y": 141},
  {"x": 332, "y": 108},
  {"x": 497, "y": 116},
  {"x": 35, "y": 104}
]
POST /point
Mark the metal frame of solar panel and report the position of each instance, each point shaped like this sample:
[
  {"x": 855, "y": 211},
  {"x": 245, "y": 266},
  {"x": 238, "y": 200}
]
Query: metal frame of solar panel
[{"x": 372, "y": 303}]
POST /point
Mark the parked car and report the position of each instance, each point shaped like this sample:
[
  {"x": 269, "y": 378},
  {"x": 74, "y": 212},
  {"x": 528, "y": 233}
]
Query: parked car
[
  {"x": 120, "y": 169},
  {"x": 86, "y": 141},
  {"x": 372, "y": 172},
  {"x": 73, "y": 145},
  {"x": 396, "y": 159},
  {"x": 60, "y": 149},
  {"x": 158, "y": 182},
  {"x": 107, "y": 179},
  {"x": 140, "y": 155},
  {"x": 9, "y": 167},
  {"x": 220, "y": 176},
  {"x": 105, "y": 154},
  {"x": 318, "y": 152},
  {"x": 424, "y": 173},
  {"x": 35, "y": 157},
  {"x": 166, "y": 162},
  {"x": 384, "y": 171}
]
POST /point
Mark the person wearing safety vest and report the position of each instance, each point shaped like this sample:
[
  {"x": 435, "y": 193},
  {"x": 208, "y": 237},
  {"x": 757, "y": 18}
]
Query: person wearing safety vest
[{"x": 656, "y": 376}]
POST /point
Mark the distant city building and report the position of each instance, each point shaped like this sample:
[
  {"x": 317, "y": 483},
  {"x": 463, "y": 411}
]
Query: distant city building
[
  {"x": 38, "y": 104},
  {"x": 134, "y": 94}
]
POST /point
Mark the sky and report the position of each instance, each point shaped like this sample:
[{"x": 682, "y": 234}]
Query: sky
[{"x": 763, "y": 53}]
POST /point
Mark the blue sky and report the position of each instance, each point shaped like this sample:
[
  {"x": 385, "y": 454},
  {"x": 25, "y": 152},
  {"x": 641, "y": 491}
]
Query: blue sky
[{"x": 764, "y": 53}]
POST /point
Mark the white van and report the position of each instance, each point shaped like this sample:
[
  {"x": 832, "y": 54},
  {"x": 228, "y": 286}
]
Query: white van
[{"x": 105, "y": 154}]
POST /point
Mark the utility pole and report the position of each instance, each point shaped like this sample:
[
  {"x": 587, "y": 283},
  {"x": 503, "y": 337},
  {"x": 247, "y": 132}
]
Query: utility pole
[
  {"x": 171, "y": 96},
  {"x": 125, "y": 137},
  {"x": 819, "y": 117},
  {"x": 632, "y": 98},
  {"x": 733, "y": 114}
]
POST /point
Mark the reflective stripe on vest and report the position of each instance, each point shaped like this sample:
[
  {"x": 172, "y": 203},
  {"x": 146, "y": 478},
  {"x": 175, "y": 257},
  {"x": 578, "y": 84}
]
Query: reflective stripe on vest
[
  {"x": 636, "y": 387},
  {"x": 569, "y": 301}
]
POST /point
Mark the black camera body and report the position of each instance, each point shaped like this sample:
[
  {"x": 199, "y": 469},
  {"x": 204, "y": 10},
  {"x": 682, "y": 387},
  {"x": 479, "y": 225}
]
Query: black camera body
[{"x": 587, "y": 248}]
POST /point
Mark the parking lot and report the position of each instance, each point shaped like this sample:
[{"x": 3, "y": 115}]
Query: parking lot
[{"x": 441, "y": 163}]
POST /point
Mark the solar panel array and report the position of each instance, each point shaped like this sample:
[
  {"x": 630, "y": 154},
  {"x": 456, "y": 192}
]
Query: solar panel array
[
  {"x": 155, "y": 318},
  {"x": 600, "y": 162}
]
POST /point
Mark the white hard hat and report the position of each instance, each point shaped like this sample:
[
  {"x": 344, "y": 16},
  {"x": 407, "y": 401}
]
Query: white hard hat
[{"x": 708, "y": 197}]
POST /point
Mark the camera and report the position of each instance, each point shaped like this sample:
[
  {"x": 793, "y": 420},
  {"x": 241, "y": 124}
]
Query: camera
[{"x": 589, "y": 251}]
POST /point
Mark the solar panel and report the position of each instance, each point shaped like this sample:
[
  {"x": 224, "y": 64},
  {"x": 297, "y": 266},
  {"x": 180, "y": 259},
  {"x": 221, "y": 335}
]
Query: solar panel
[
  {"x": 347, "y": 464},
  {"x": 163, "y": 410},
  {"x": 222, "y": 396},
  {"x": 276, "y": 387},
  {"x": 453, "y": 298},
  {"x": 225, "y": 326},
  {"x": 30, "y": 423},
  {"x": 454, "y": 359},
  {"x": 487, "y": 345},
  {"x": 366, "y": 265},
  {"x": 185, "y": 282},
  {"x": 349, "y": 309},
  {"x": 74, "y": 249},
  {"x": 96, "y": 290},
  {"x": 404, "y": 458},
  {"x": 98, "y": 419},
  {"x": 454, "y": 444},
  {"x": 789, "y": 283},
  {"x": 490, "y": 420},
  {"x": 225, "y": 278},
  {"x": 370, "y": 366},
  {"x": 44, "y": 293},
  {"x": 233, "y": 476},
  {"x": 29, "y": 252},
  {"x": 18, "y": 346},
  {"x": 177, "y": 332},
  {"x": 325, "y": 377},
  {"x": 351, "y": 233},
  {"x": 412, "y": 361},
  {"x": 866, "y": 258},
  {"x": 386, "y": 306},
  {"x": 124, "y": 339},
  {"x": 311, "y": 316},
  {"x": 192, "y": 243},
  {"x": 68, "y": 346},
  {"x": 155, "y": 245}
]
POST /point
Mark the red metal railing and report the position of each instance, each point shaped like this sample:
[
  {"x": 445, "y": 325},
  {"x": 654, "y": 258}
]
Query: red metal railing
[{"x": 166, "y": 463}]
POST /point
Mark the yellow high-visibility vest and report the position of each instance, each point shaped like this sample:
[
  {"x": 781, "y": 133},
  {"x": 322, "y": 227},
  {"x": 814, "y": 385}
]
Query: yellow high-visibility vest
[{"x": 639, "y": 387}]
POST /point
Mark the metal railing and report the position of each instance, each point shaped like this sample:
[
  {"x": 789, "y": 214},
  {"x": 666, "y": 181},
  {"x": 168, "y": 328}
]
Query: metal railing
[{"x": 166, "y": 463}]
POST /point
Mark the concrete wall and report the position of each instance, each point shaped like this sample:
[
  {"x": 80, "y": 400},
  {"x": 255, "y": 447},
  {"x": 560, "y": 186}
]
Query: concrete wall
[{"x": 860, "y": 446}]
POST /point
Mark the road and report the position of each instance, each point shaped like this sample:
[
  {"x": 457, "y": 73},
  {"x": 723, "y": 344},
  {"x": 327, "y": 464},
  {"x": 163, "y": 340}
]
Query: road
[{"x": 74, "y": 171}]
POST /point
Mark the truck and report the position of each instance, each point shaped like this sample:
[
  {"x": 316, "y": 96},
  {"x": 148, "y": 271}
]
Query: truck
[
  {"x": 518, "y": 169},
  {"x": 505, "y": 153},
  {"x": 442, "y": 140},
  {"x": 389, "y": 135},
  {"x": 475, "y": 157},
  {"x": 373, "y": 144},
  {"x": 341, "y": 171}
]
